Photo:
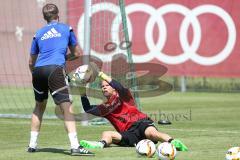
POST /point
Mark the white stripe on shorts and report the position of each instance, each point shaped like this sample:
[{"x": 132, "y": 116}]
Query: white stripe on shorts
[{"x": 39, "y": 92}]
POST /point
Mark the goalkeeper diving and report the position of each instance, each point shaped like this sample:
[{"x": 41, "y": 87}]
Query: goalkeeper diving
[{"x": 120, "y": 110}]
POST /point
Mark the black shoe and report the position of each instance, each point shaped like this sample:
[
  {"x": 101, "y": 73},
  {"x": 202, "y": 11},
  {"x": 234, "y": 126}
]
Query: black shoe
[
  {"x": 31, "y": 150},
  {"x": 81, "y": 152}
]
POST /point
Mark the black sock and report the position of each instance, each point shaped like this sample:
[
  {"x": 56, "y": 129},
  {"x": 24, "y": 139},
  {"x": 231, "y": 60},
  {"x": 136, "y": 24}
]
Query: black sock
[
  {"x": 170, "y": 140},
  {"x": 104, "y": 143}
]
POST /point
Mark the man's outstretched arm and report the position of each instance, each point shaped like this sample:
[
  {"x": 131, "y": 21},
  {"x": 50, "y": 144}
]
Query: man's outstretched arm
[{"x": 92, "y": 109}]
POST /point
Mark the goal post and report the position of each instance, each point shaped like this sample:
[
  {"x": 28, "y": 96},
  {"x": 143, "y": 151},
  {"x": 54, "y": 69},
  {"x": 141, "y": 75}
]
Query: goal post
[{"x": 133, "y": 81}]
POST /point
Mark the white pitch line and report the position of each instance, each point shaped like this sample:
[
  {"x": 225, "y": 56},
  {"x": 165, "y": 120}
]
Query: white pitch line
[
  {"x": 203, "y": 130},
  {"x": 10, "y": 121}
]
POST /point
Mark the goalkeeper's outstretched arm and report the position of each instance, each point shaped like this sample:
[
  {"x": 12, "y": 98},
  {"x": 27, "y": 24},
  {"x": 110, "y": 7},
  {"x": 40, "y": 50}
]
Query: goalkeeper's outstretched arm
[{"x": 92, "y": 109}]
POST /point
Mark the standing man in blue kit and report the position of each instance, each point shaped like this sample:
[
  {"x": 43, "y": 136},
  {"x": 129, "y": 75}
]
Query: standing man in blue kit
[{"x": 48, "y": 53}]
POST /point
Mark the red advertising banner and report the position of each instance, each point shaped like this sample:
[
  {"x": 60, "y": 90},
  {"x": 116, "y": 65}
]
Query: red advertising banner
[{"x": 192, "y": 38}]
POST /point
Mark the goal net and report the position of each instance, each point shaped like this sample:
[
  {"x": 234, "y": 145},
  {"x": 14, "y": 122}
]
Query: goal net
[
  {"x": 19, "y": 21},
  {"x": 109, "y": 40},
  {"x": 109, "y": 43}
]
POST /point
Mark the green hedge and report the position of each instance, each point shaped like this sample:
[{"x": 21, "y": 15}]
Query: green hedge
[{"x": 205, "y": 84}]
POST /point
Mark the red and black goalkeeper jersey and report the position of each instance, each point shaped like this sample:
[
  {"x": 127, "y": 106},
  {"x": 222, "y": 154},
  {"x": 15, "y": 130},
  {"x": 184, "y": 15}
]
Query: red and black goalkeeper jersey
[{"x": 120, "y": 109}]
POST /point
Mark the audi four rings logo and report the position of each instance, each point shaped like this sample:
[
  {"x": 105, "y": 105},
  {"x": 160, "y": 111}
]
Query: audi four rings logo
[{"x": 156, "y": 17}]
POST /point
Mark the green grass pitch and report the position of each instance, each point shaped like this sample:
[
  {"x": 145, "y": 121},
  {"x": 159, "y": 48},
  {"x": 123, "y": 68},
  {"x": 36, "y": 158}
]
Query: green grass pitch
[{"x": 208, "y": 123}]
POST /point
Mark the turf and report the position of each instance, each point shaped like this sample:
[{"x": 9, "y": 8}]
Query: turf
[{"x": 208, "y": 123}]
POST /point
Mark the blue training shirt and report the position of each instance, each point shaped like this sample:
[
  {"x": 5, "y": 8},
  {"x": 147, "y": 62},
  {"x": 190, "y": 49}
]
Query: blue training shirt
[{"x": 51, "y": 43}]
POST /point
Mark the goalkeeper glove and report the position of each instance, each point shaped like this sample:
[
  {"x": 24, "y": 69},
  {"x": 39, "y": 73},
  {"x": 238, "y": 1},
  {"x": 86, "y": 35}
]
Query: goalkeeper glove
[{"x": 103, "y": 75}]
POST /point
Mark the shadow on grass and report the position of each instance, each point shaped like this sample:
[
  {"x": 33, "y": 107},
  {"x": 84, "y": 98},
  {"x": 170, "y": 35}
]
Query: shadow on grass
[
  {"x": 54, "y": 150},
  {"x": 117, "y": 146}
]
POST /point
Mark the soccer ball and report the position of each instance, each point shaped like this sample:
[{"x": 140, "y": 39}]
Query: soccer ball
[
  {"x": 146, "y": 148},
  {"x": 233, "y": 153},
  {"x": 83, "y": 74},
  {"x": 166, "y": 151}
]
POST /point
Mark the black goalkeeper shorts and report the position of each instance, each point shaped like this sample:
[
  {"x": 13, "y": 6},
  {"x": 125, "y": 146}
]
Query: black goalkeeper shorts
[
  {"x": 135, "y": 133},
  {"x": 50, "y": 78}
]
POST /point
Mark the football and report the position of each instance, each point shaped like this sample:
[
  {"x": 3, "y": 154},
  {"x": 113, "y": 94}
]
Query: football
[
  {"x": 166, "y": 151},
  {"x": 146, "y": 147},
  {"x": 83, "y": 74},
  {"x": 233, "y": 153}
]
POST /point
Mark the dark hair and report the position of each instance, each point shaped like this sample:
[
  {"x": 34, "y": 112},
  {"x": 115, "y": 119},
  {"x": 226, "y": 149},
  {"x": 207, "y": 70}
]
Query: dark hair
[{"x": 50, "y": 12}]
